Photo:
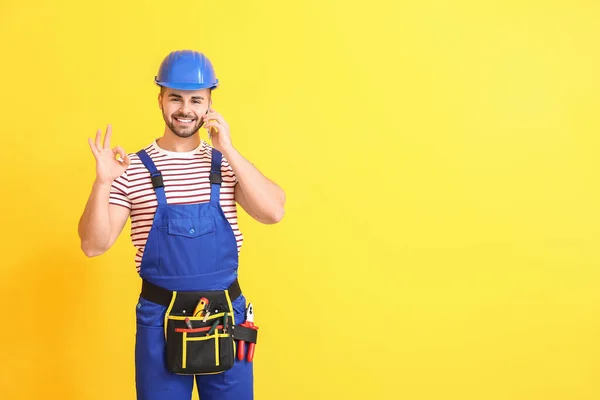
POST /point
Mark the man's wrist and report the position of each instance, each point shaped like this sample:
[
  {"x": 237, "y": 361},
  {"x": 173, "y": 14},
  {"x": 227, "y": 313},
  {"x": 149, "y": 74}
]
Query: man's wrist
[
  {"x": 100, "y": 185},
  {"x": 228, "y": 151}
]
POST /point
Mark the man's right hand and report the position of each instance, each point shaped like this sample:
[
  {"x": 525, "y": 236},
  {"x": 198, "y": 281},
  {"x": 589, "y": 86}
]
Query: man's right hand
[{"x": 108, "y": 167}]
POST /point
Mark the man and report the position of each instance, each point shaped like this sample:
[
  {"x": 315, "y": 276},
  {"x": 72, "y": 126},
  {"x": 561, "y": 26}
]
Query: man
[{"x": 181, "y": 195}]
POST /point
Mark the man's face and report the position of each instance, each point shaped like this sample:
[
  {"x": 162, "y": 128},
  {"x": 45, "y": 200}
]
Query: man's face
[{"x": 183, "y": 109}]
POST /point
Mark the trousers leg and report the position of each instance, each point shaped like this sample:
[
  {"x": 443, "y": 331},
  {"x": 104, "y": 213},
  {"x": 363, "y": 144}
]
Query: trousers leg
[
  {"x": 153, "y": 380},
  {"x": 236, "y": 383}
]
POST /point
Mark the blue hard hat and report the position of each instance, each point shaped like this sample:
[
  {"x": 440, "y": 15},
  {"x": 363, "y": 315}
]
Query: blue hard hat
[{"x": 186, "y": 70}]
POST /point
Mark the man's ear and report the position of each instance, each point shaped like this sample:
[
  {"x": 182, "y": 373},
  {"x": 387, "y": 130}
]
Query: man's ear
[{"x": 160, "y": 101}]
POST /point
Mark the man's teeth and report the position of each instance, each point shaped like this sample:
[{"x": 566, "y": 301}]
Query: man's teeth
[{"x": 183, "y": 120}]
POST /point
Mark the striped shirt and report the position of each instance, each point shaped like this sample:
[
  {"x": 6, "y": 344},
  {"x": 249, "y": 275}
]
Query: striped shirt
[{"x": 186, "y": 181}]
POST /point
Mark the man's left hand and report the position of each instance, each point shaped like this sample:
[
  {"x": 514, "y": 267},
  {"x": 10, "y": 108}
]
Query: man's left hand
[{"x": 219, "y": 129}]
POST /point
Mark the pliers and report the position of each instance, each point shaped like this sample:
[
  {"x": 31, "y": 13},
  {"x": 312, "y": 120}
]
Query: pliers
[{"x": 248, "y": 323}]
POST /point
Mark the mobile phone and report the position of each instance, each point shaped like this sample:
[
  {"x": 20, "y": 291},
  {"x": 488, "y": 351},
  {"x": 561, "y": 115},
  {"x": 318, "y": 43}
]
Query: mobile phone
[{"x": 209, "y": 129}]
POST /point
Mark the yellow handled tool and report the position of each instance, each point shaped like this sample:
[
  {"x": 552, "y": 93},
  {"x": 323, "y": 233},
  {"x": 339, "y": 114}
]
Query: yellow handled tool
[{"x": 201, "y": 308}]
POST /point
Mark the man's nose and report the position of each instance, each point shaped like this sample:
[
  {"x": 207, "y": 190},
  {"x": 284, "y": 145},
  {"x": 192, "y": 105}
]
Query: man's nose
[{"x": 184, "y": 108}]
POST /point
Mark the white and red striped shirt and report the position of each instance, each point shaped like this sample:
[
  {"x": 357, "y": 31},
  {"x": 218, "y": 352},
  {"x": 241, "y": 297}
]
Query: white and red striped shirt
[{"x": 186, "y": 181}]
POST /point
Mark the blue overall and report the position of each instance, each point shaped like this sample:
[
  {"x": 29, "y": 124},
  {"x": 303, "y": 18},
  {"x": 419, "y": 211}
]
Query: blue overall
[{"x": 190, "y": 247}]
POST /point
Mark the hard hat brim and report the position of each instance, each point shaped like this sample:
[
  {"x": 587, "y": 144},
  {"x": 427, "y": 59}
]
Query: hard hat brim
[{"x": 187, "y": 86}]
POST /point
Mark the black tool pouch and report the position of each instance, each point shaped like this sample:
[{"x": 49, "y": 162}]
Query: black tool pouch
[{"x": 198, "y": 345}]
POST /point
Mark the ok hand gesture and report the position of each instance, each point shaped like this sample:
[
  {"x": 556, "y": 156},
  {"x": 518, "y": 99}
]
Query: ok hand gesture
[{"x": 108, "y": 167}]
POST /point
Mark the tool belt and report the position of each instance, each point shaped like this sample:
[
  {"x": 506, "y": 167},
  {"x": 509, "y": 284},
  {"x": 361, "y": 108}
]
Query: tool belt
[{"x": 200, "y": 328}]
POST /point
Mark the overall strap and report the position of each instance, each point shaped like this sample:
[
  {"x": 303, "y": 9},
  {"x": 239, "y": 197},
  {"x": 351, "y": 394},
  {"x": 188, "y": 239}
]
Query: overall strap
[
  {"x": 215, "y": 177},
  {"x": 155, "y": 176}
]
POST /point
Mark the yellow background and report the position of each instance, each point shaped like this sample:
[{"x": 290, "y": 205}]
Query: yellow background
[{"x": 440, "y": 162}]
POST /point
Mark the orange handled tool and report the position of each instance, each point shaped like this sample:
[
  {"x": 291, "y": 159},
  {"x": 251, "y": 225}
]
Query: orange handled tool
[
  {"x": 248, "y": 323},
  {"x": 201, "y": 308}
]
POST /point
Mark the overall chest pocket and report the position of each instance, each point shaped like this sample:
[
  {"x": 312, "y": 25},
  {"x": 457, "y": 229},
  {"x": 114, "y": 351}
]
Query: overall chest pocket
[
  {"x": 188, "y": 246},
  {"x": 191, "y": 227}
]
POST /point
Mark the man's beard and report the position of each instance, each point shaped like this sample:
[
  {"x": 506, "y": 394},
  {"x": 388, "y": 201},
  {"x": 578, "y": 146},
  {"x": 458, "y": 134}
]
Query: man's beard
[{"x": 183, "y": 131}]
